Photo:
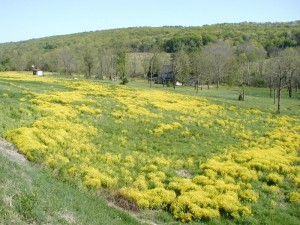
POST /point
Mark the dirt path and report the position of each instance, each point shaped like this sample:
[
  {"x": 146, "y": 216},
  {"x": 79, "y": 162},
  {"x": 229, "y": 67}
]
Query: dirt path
[{"x": 10, "y": 151}]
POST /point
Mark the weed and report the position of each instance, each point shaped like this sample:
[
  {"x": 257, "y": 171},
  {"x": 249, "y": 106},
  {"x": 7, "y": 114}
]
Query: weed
[{"x": 26, "y": 203}]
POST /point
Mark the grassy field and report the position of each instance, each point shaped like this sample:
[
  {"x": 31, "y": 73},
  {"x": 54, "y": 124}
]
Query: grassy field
[{"x": 176, "y": 154}]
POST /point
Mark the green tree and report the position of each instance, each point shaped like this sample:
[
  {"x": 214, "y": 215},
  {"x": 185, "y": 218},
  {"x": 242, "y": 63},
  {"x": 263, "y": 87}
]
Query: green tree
[
  {"x": 89, "y": 61},
  {"x": 199, "y": 67},
  {"x": 181, "y": 65},
  {"x": 5, "y": 61},
  {"x": 121, "y": 64}
]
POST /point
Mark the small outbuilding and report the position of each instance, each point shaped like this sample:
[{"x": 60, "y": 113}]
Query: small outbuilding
[
  {"x": 37, "y": 71},
  {"x": 40, "y": 73}
]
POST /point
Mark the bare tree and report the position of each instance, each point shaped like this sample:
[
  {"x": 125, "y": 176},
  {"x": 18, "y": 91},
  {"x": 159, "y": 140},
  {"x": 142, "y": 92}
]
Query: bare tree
[
  {"x": 53, "y": 58},
  {"x": 145, "y": 60},
  {"x": 88, "y": 60},
  {"x": 283, "y": 66},
  {"x": 250, "y": 61},
  {"x": 260, "y": 63},
  {"x": 67, "y": 60},
  {"x": 133, "y": 64},
  {"x": 19, "y": 60},
  {"x": 111, "y": 65},
  {"x": 105, "y": 63},
  {"x": 297, "y": 73},
  {"x": 271, "y": 80},
  {"x": 199, "y": 67},
  {"x": 220, "y": 54},
  {"x": 294, "y": 77},
  {"x": 154, "y": 63}
]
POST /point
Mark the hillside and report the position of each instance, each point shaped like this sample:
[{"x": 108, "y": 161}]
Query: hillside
[
  {"x": 142, "y": 38},
  {"x": 45, "y": 52},
  {"x": 30, "y": 195},
  {"x": 174, "y": 154}
]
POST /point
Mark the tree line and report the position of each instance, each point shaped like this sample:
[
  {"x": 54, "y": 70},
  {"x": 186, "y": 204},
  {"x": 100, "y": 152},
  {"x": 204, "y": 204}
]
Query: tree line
[{"x": 244, "y": 54}]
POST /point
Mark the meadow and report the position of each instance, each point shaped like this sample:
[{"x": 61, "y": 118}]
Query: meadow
[
  {"x": 204, "y": 158},
  {"x": 30, "y": 194}
]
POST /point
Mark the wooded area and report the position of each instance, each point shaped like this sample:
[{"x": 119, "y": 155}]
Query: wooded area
[{"x": 256, "y": 54}]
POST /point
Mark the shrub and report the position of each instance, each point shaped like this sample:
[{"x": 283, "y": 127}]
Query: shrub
[
  {"x": 124, "y": 81},
  {"x": 241, "y": 97},
  {"x": 249, "y": 195},
  {"x": 294, "y": 197},
  {"x": 169, "y": 84},
  {"x": 273, "y": 178}
]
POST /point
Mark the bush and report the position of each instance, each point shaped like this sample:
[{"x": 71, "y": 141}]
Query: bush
[
  {"x": 124, "y": 81},
  {"x": 2, "y": 69},
  {"x": 240, "y": 97},
  {"x": 273, "y": 179},
  {"x": 294, "y": 197}
]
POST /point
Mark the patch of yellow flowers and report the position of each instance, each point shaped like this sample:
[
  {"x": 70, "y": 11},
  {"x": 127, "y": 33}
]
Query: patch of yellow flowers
[{"x": 224, "y": 182}]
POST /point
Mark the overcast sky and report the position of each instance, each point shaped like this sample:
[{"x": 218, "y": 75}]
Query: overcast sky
[{"x": 27, "y": 19}]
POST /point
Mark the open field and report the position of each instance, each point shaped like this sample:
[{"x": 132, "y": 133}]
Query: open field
[{"x": 203, "y": 157}]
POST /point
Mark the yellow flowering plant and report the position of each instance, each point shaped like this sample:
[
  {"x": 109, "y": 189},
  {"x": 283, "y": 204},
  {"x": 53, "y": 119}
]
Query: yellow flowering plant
[{"x": 162, "y": 150}]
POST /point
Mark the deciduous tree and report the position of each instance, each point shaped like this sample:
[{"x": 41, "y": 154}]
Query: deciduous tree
[
  {"x": 89, "y": 61},
  {"x": 67, "y": 61},
  {"x": 181, "y": 65},
  {"x": 220, "y": 54},
  {"x": 283, "y": 66},
  {"x": 199, "y": 67}
]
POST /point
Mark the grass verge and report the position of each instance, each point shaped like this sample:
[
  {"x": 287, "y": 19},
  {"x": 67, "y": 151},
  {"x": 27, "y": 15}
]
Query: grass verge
[{"x": 30, "y": 195}]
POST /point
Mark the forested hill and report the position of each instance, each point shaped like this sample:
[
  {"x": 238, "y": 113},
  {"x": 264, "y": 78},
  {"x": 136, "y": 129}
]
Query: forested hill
[
  {"x": 43, "y": 51},
  {"x": 141, "y": 38}
]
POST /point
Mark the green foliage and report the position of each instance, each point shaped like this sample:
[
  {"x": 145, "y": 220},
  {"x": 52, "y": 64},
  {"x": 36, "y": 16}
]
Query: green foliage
[
  {"x": 124, "y": 81},
  {"x": 121, "y": 59},
  {"x": 2, "y": 68},
  {"x": 169, "y": 84},
  {"x": 14, "y": 56},
  {"x": 240, "y": 98},
  {"x": 180, "y": 40}
]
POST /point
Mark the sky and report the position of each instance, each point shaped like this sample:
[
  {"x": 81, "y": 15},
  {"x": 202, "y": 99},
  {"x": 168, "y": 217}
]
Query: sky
[{"x": 27, "y": 19}]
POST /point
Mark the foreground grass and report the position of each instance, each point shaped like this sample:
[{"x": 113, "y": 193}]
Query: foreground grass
[
  {"x": 29, "y": 194},
  {"x": 212, "y": 159}
]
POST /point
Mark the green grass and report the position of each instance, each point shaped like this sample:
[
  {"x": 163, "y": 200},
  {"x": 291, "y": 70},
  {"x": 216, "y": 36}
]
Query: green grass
[
  {"x": 257, "y": 98},
  {"x": 38, "y": 197},
  {"x": 12, "y": 113},
  {"x": 30, "y": 194}
]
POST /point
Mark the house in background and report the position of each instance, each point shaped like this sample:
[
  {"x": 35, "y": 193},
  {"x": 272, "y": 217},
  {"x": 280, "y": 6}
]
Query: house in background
[{"x": 166, "y": 75}]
